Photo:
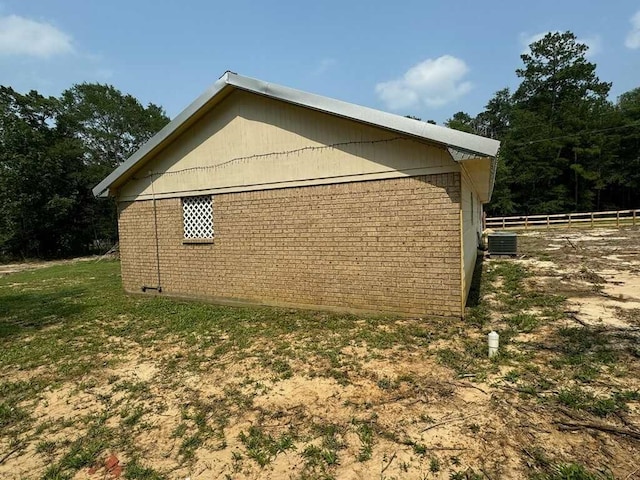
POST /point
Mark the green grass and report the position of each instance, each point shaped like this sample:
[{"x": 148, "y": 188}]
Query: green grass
[
  {"x": 46, "y": 446},
  {"x": 68, "y": 316},
  {"x": 580, "y": 399},
  {"x": 545, "y": 468},
  {"x": 468, "y": 474},
  {"x": 514, "y": 297},
  {"x": 365, "y": 433},
  {"x": 586, "y": 353},
  {"x": 470, "y": 358},
  {"x": 523, "y": 322},
  {"x": 71, "y": 300},
  {"x": 320, "y": 460},
  {"x": 67, "y": 325},
  {"x": 132, "y": 416},
  {"x": 262, "y": 447},
  {"x": 136, "y": 471},
  {"x": 81, "y": 307},
  {"x": 84, "y": 451},
  {"x": 203, "y": 421},
  {"x": 571, "y": 471},
  {"x": 10, "y": 415},
  {"x": 586, "y": 344},
  {"x": 136, "y": 389}
]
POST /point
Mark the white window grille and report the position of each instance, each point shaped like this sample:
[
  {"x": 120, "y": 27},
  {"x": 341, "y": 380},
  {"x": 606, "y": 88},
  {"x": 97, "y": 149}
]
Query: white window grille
[{"x": 197, "y": 213}]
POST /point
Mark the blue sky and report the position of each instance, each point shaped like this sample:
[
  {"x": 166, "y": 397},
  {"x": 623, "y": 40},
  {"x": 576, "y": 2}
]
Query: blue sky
[{"x": 424, "y": 58}]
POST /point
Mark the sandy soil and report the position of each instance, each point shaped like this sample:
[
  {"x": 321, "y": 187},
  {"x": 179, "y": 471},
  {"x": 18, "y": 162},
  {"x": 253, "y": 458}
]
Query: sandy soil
[
  {"x": 7, "y": 268},
  {"x": 479, "y": 424}
]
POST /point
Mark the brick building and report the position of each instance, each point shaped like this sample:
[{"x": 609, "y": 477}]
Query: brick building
[{"x": 259, "y": 193}]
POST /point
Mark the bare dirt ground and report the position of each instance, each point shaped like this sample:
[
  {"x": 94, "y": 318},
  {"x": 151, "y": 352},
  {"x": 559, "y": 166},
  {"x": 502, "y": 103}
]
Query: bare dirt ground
[
  {"x": 399, "y": 398},
  {"x": 15, "y": 267}
]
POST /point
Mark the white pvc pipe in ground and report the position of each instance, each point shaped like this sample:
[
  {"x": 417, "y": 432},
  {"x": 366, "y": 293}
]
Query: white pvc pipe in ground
[{"x": 494, "y": 342}]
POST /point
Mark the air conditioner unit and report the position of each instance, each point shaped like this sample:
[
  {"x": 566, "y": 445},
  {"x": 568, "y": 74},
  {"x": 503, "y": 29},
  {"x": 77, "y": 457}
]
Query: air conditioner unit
[{"x": 502, "y": 243}]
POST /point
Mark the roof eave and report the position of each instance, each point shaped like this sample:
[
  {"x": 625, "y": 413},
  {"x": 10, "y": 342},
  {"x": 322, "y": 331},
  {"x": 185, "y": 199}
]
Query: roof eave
[
  {"x": 453, "y": 139},
  {"x": 462, "y": 156}
]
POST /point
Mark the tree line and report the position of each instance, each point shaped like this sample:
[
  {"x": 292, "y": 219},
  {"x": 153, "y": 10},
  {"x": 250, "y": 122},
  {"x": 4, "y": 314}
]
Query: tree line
[
  {"x": 565, "y": 146},
  {"x": 53, "y": 151}
]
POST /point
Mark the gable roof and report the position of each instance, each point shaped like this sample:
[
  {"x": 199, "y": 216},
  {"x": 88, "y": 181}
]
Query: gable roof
[{"x": 461, "y": 145}]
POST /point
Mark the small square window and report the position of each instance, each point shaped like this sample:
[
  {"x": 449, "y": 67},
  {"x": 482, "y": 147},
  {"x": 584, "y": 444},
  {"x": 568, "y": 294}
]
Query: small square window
[{"x": 197, "y": 214}]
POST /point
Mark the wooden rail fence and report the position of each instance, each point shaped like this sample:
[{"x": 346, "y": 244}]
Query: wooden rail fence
[{"x": 586, "y": 219}]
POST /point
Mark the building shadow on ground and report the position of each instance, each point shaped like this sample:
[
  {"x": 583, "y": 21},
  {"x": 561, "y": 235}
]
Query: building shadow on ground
[
  {"x": 24, "y": 311},
  {"x": 473, "y": 300}
]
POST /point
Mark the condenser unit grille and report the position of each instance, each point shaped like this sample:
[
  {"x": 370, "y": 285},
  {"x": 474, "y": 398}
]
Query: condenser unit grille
[{"x": 503, "y": 243}]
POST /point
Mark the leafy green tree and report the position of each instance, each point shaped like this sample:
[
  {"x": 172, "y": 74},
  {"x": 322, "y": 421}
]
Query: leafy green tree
[
  {"x": 555, "y": 74},
  {"x": 461, "y": 121},
  {"x": 494, "y": 121},
  {"x": 413, "y": 117},
  {"x": 111, "y": 126},
  {"x": 41, "y": 182},
  {"x": 552, "y": 158},
  {"x": 626, "y": 175},
  {"x": 52, "y": 152},
  {"x": 565, "y": 146}
]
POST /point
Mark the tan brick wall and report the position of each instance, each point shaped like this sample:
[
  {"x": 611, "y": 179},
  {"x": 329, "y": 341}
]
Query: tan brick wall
[{"x": 384, "y": 245}]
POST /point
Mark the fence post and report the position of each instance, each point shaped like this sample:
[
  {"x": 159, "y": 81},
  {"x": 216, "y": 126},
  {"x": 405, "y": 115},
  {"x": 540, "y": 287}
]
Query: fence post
[
  {"x": 591, "y": 219},
  {"x": 503, "y": 223},
  {"x": 617, "y": 218},
  {"x": 526, "y": 222},
  {"x": 548, "y": 223},
  {"x": 569, "y": 220},
  {"x": 634, "y": 218}
]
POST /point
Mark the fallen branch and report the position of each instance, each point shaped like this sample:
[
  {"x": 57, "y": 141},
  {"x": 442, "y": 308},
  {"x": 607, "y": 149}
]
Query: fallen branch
[
  {"x": 111, "y": 251},
  {"x": 18, "y": 447},
  {"x": 603, "y": 427},
  {"x": 571, "y": 243},
  {"x": 389, "y": 463},
  {"x": 524, "y": 390},
  {"x": 533, "y": 427},
  {"x": 449, "y": 420},
  {"x": 447, "y": 448},
  {"x": 632, "y": 474},
  {"x": 572, "y": 315},
  {"x": 485, "y": 473},
  {"x": 467, "y": 385}
]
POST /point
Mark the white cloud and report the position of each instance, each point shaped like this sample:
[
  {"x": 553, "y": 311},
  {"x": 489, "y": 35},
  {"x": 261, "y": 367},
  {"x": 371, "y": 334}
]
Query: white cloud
[
  {"x": 324, "y": 65},
  {"x": 26, "y": 37},
  {"x": 432, "y": 83},
  {"x": 594, "y": 43},
  {"x": 633, "y": 37}
]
